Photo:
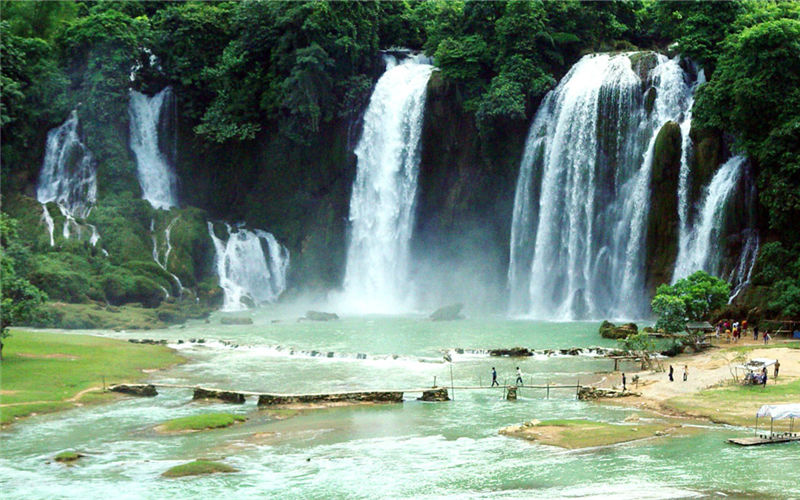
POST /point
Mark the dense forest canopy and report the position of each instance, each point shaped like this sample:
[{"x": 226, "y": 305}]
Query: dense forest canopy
[{"x": 245, "y": 70}]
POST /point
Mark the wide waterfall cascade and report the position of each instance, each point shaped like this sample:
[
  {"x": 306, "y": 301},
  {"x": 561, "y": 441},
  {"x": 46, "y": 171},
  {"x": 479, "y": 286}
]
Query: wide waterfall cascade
[
  {"x": 251, "y": 265},
  {"x": 703, "y": 246},
  {"x": 68, "y": 176},
  {"x": 384, "y": 190},
  {"x": 152, "y": 143},
  {"x": 582, "y": 199}
]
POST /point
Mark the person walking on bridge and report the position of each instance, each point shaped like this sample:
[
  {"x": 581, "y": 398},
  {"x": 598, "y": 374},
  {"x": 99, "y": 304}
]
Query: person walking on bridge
[
  {"x": 494, "y": 378},
  {"x": 519, "y": 377}
]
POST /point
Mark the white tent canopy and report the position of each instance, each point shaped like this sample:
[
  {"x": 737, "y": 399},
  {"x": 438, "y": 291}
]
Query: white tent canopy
[{"x": 777, "y": 412}]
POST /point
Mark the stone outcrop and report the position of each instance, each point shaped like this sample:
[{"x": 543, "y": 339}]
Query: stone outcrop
[
  {"x": 227, "y": 396},
  {"x": 514, "y": 352},
  {"x": 587, "y": 393},
  {"x": 347, "y": 397},
  {"x": 320, "y": 316},
  {"x": 448, "y": 313},
  {"x": 609, "y": 330},
  {"x": 227, "y": 320},
  {"x": 435, "y": 394},
  {"x": 146, "y": 390},
  {"x": 511, "y": 393}
]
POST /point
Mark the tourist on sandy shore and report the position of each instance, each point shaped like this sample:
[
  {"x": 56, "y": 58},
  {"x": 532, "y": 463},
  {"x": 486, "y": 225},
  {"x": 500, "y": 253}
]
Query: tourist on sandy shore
[
  {"x": 766, "y": 337},
  {"x": 685, "y": 372},
  {"x": 777, "y": 367},
  {"x": 623, "y": 382},
  {"x": 755, "y": 332},
  {"x": 671, "y": 371}
]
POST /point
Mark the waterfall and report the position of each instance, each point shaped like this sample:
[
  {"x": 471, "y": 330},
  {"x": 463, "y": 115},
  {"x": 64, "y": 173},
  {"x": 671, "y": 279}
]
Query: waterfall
[
  {"x": 152, "y": 142},
  {"x": 582, "y": 198},
  {"x": 384, "y": 190},
  {"x": 168, "y": 243},
  {"x": 703, "y": 246},
  {"x": 68, "y": 175},
  {"x": 48, "y": 221},
  {"x": 251, "y": 266}
]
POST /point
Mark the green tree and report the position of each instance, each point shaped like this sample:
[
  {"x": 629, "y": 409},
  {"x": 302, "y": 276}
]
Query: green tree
[
  {"x": 692, "y": 298},
  {"x": 671, "y": 312},
  {"x": 19, "y": 300}
]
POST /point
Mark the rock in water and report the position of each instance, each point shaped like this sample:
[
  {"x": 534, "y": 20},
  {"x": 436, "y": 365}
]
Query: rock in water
[
  {"x": 321, "y": 316},
  {"x": 435, "y": 394},
  {"x": 609, "y": 330},
  {"x": 148, "y": 390},
  {"x": 511, "y": 393},
  {"x": 448, "y": 313},
  {"x": 236, "y": 321},
  {"x": 514, "y": 352}
]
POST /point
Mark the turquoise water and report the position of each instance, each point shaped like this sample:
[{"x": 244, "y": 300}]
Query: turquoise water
[{"x": 409, "y": 450}]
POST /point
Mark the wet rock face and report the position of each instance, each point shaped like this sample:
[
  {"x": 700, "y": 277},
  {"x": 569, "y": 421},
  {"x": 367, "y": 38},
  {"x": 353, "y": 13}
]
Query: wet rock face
[
  {"x": 229, "y": 397},
  {"x": 146, "y": 390},
  {"x": 350, "y": 397},
  {"x": 435, "y": 394},
  {"x": 662, "y": 224}
]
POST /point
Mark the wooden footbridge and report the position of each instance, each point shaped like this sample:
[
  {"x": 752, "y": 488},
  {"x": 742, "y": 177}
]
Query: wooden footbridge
[{"x": 435, "y": 393}]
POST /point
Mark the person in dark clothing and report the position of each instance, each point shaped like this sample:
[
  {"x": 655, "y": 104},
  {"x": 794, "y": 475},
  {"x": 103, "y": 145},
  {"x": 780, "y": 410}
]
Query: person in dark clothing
[
  {"x": 685, "y": 372},
  {"x": 623, "y": 382},
  {"x": 494, "y": 377},
  {"x": 671, "y": 371},
  {"x": 755, "y": 332}
]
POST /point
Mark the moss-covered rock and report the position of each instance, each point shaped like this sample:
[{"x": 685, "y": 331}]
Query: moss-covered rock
[
  {"x": 68, "y": 457},
  {"x": 609, "y": 330},
  {"x": 662, "y": 224},
  {"x": 707, "y": 155},
  {"x": 197, "y": 468}
]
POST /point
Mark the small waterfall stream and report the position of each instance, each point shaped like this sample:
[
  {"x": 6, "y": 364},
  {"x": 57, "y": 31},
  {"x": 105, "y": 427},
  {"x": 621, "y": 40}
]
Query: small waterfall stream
[
  {"x": 251, "y": 266},
  {"x": 162, "y": 263},
  {"x": 153, "y": 146},
  {"x": 384, "y": 191}
]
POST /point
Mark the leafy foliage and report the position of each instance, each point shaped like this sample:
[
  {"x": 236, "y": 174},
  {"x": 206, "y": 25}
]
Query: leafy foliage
[{"x": 691, "y": 299}]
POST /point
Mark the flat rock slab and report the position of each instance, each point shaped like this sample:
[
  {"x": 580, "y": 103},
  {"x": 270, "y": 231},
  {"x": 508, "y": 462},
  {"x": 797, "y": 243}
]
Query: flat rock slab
[
  {"x": 227, "y": 396},
  {"x": 348, "y": 397},
  {"x": 147, "y": 390}
]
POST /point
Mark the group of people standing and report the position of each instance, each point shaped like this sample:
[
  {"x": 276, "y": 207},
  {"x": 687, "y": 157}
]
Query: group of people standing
[
  {"x": 518, "y": 381},
  {"x": 735, "y": 330},
  {"x": 685, "y": 373}
]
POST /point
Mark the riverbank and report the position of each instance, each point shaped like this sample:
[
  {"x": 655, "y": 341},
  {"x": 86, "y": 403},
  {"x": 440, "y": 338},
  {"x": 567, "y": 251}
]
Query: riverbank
[
  {"x": 44, "y": 372},
  {"x": 710, "y": 391}
]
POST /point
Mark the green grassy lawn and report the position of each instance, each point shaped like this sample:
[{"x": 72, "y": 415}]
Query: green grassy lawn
[
  {"x": 737, "y": 404},
  {"x": 196, "y": 468},
  {"x": 42, "y": 371},
  {"x": 201, "y": 422}
]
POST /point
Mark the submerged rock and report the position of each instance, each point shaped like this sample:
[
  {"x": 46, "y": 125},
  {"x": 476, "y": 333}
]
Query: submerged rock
[
  {"x": 448, "y": 313},
  {"x": 228, "y": 320},
  {"x": 320, "y": 316}
]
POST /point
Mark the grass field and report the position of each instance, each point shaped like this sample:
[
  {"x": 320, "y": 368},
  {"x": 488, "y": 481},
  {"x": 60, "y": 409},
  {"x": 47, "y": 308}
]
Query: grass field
[{"x": 44, "y": 372}]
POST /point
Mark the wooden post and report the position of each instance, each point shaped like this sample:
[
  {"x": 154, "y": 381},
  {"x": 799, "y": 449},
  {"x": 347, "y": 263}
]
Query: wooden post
[
  {"x": 577, "y": 388},
  {"x": 548, "y": 389},
  {"x": 434, "y": 380},
  {"x": 616, "y": 364},
  {"x": 452, "y": 386}
]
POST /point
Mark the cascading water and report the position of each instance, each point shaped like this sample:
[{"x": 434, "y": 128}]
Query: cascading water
[
  {"x": 168, "y": 250},
  {"x": 48, "y": 221},
  {"x": 251, "y": 266},
  {"x": 582, "y": 198},
  {"x": 68, "y": 175},
  {"x": 153, "y": 145},
  {"x": 703, "y": 245},
  {"x": 384, "y": 191}
]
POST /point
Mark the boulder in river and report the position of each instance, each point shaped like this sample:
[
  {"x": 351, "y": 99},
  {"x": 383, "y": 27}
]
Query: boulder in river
[
  {"x": 609, "y": 330},
  {"x": 147, "y": 390},
  {"x": 448, "y": 313},
  {"x": 435, "y": 394},
  {"x": 320, "y": 316},
  {"x": 514, "y": 352}
]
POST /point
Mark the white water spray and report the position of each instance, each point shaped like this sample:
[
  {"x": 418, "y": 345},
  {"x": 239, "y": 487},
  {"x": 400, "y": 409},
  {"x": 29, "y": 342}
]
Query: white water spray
[
  {"x": 384, "y": 191},
  {"x": 150, "y": 119},
  {"x": 251, "y": 266}
]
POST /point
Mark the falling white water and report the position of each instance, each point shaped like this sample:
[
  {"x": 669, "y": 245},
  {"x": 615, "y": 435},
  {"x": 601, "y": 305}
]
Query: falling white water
[
  {"x": 48, "y": 221},
  {"x": 684, "y": 179},
  {"x": 150, "y": 119},
  {"x": 384, "y": 191},
  {"x": 703, "y": 246},
  {"x": 577, "y": 241},
  {"x": 163, "y": 263},
  {"x": 68, "y": 175},
  {"x": 251, "y": 266}
]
